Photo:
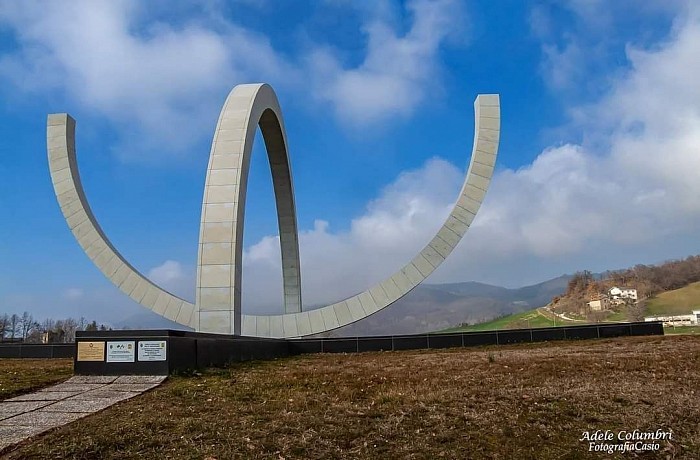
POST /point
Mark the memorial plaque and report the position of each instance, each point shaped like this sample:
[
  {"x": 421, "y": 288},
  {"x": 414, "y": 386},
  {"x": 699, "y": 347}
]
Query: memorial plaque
[
  {"x": 121, "y": 352},
  {"x": 152, "y": 350},
  {"x": 91, "y": 351}
]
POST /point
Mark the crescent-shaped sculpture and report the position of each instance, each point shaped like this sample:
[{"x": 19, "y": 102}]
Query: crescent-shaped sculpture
[{"x": 217, "y": 308}]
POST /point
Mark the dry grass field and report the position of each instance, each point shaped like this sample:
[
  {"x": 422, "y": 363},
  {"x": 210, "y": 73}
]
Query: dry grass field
[
  {"x": 19, "y": 376},
  {"x": 515, "y": 402}
]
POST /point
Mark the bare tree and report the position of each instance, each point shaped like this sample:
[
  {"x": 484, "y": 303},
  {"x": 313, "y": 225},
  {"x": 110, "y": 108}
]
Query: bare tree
[
  {"x": 4, "y": 325},
  {"x": 48, "y": 324},
  {"x": 26, "y": 323},
  {"x": 635, "y": 311},
  {"x": 70, "y": 325},
  {"x": 14, "y": 326}
]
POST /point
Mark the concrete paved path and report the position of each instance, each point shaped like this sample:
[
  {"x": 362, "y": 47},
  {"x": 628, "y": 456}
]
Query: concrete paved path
[{"x": 28, "y": 415}]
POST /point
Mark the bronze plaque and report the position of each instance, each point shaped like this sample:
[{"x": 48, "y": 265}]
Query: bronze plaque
[{"x": 91, "y": 351}]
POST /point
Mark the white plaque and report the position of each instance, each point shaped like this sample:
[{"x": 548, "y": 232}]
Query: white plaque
[
  {"x": 152, "y": 350},
  {"x": 121, "y": 352}
]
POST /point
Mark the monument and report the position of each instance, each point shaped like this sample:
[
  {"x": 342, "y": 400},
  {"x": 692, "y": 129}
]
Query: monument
[{"x": 217, "y": 307}]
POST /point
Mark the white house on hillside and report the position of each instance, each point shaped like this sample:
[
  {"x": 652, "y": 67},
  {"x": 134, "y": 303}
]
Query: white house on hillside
[{"x": 619, "y": 294}]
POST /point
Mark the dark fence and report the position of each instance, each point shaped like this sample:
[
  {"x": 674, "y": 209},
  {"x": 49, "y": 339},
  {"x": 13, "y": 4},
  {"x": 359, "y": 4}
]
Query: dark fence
[
  {"x": 468, "y": 339},
  {"x": 32, "y": 350}
]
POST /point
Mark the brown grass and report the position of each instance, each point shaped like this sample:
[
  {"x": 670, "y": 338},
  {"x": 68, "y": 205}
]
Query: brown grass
[
  {"x": 18, "y": 376},
  {"x": 516, "y": 402}
]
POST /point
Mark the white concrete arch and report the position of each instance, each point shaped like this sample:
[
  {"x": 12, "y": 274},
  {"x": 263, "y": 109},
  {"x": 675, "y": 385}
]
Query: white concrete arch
[
  {"x": 60, "y": 142},
  {"x": 218, "y": 304}
]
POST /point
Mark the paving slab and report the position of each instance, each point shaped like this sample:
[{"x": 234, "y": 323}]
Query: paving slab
[
  {"x": 80, "y": 387},
  {"x": 10, "y": 435},
  {"x": 101, "y": 379},
  {"x": 106, "y": 393},
  {"x": 44, "y": 419},
  {"x": 11, "y": 408},
  {"x": 80, "y": 405},
  {"x": 140, "y": 387},
  {"x": 141, "y": 379},
  {"x": 45, "y": 396}
]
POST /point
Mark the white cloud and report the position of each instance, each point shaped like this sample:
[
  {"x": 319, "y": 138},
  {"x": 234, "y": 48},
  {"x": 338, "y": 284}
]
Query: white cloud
[
  {"x": 167, "y": 272},
  {"x": 161, "y": 83},
  {"x": 172, "y": 276},
  {"x": 582, "y": 40},
  {"x": 399, "y": 70},
  {"x": 73, "y": 293}
]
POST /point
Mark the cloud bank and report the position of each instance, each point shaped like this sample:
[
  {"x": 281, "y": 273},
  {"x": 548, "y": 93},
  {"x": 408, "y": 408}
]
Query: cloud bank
[{"x": 162, "y": 83}]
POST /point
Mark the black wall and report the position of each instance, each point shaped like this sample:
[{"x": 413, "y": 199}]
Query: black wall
[
  {"x": 31, "y": 350},
  {"x": 191, "y": 350}
]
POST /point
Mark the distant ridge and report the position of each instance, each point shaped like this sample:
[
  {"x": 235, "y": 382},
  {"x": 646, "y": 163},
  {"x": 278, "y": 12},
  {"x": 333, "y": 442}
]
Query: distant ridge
[{"x": 432, "y": 307}]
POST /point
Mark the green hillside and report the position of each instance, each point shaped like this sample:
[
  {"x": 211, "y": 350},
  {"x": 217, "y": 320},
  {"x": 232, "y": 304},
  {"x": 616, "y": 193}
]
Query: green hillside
[
  {"x": 526, "y": 319},
  {"x": 677, "y": 302}
]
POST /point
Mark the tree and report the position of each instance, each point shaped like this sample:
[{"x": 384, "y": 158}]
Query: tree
[
  {"x": 70, "y": 325},
  {"x": 635, "y": 311},
  {"x": 26, "y": 323},
  {"x": 14, "y": 326},
  {"x": 4, "y": 325}
]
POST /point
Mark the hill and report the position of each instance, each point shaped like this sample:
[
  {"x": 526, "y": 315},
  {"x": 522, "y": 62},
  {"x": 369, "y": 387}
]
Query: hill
[
  {"x": 433, "y": 307},
  {"x": 676, "y": 302},
  {"x": 538, "y": 317},
  {"x": 650, "y": 281}
]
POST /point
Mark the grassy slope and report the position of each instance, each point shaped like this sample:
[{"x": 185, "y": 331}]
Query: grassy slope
[
  {"x": 530, "y": 318},
  {"x": 677, "y": 302},
  {"x": 18, "y": 376},
  {"x": 525, "y": 401}
]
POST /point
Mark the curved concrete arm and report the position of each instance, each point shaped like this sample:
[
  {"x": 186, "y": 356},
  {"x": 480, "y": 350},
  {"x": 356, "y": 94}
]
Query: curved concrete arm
[
  {"x": 483, "y": 159},
  {"x": 60, "y": 140}
]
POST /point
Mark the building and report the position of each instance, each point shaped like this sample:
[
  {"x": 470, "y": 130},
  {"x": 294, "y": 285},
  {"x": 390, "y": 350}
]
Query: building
[
  {"x": 602, "y": 302},
  {"x": 692, "y": 319},
  {"x": 619, "y": 295}
]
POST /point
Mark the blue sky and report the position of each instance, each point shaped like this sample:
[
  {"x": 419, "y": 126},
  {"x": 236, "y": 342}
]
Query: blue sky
[{"x": 598, "y": 163}]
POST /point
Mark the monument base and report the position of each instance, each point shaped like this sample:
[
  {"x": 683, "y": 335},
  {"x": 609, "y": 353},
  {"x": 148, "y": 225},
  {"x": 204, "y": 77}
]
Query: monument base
[{"x": 163, "y": 352}]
